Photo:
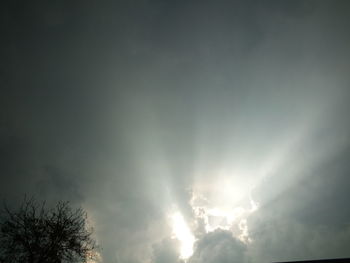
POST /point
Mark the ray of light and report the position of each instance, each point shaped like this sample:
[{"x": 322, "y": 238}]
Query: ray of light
[{"x": 182, "y": 232}]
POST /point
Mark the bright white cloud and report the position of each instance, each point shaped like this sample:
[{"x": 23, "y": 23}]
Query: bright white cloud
[
  {"x": 182, "y": 232},
  {"x": 214, "y": 209},
  {"x": 226, "y": 205}
]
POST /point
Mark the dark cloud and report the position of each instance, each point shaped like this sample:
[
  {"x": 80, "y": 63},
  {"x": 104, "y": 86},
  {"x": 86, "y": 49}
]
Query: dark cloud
[
  {"x": 166, "y": 251},
  {"x": 281, "y": 239},
  {"x": 219, "y": 246}
]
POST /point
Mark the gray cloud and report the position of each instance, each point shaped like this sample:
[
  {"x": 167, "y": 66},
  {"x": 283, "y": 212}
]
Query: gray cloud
[
  {"x": 124, "y": 106},
  {"x": 166, "y": 251},
  {"x": 219, "y": 246},
  {"x": 282, "y": 239}
]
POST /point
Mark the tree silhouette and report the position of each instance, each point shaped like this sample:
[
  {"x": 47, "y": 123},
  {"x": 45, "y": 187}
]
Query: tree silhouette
[{"x": 36, "y": 234}]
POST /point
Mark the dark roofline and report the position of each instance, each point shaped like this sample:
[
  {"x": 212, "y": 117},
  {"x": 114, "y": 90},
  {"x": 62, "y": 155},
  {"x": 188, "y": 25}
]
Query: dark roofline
[{"x": 335, "y": 260}]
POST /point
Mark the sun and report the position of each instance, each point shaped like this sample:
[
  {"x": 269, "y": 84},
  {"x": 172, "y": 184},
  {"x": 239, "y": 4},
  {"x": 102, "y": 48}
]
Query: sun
[{"x": 217, "y": 206}]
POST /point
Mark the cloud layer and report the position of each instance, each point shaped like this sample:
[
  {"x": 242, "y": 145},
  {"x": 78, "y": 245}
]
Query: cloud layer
[{"x": 127, "y": 107}]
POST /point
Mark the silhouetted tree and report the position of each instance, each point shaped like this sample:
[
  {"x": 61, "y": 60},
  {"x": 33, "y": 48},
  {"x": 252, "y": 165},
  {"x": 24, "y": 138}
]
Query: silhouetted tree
[{"x": 36, "y": 234}]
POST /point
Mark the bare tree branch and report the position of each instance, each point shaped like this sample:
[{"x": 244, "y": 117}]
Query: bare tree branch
[{"x": 36, "y": 234}]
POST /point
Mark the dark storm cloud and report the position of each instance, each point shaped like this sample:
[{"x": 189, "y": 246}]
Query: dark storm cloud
[{"x": 117, "y": 105}]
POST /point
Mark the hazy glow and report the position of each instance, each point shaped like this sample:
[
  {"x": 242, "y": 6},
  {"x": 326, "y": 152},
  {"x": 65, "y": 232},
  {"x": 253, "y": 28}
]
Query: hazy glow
[
  {"x": 217, "y": 211},
  {"x": 182, "y": 232},
  {"x": 219, "y": 216},
  {"x": 225, "y": 202}
]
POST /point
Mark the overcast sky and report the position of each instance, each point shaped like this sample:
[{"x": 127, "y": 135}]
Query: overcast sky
[{"x": 226, "y": 119}]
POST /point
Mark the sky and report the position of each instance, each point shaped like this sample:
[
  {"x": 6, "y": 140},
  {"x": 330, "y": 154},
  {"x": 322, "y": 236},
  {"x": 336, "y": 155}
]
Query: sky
[{"x": 190, "y": 131}]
